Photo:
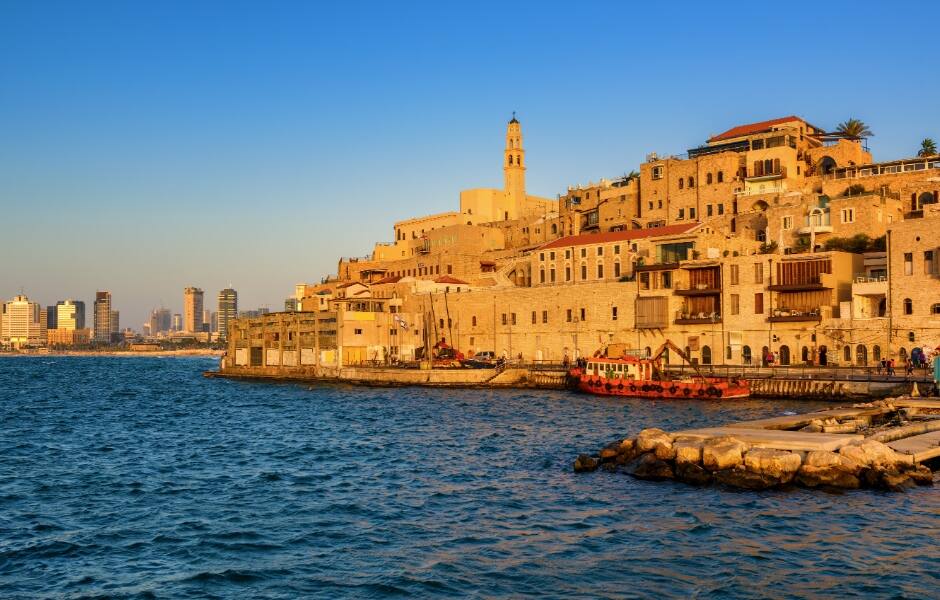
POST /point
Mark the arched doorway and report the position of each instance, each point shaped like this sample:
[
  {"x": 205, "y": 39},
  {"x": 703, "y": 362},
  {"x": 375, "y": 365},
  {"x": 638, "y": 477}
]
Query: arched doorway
[
  {"x": 925, "y": 198},
  {"x": 823, "y": 355},
  {"x": 902, "y": 354},
  {"x": 882, "y": 307},
  {"x": 847, "y": 354},
  {"x": 876, "y": 353},
  {"x": 763, "y": 356},
  {"x": 746, "y": 355},
  {"x": 826, "y": 165},
  {"x": 861, "y": 355},
  {"x": 784, "y": 355},
  {"x": 804, "y": 355},
  {"x": 706, "y": 355}
]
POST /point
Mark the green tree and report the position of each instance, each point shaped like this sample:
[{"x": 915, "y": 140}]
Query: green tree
[
  {"x": 928, "y": 147},
  {"x": 854, "y": 129}
]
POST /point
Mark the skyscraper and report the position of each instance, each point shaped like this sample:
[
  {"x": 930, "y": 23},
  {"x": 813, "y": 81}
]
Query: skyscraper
[
  {"x": 103, "y": 317},
  {"x": 160, "y": 321},
  {"x": 192, "y": 310},
  {"x": 22, "y": 323},
  {"x": 177, "y": 322},
  {"x": 115, "y": 325},
  {"x": 52, "y": 316},
  {"x": 70, "y": 314},
  {"x": 228, "y": 310}
]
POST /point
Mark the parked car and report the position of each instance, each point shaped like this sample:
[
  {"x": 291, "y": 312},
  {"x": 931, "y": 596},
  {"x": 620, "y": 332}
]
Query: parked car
[{"x": 485, "y": 359}]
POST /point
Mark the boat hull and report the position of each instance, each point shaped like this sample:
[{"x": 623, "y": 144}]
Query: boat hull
[{"x": 708, "y": 389}]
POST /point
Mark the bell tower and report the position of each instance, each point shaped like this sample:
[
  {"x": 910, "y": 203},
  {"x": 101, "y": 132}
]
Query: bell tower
[{"x": 514, "y": 168}]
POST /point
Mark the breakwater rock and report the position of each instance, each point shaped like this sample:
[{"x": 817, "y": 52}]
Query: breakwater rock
[{"x": 726, "y": 460}]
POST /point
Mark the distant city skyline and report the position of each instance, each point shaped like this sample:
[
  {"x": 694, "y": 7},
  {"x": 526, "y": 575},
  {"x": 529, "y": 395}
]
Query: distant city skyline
[{"x": 256, "y": 150}]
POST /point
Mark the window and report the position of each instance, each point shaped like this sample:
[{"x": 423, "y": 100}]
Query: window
[
  {"x": 600, "y": 270},
  {"x": 759, "y": 273},
  {"x": 542, "y": 275},
  {"x": 644, "y": 281},
  {"x": 617, "y": 269},
  {"x": 567, "y": 273},
  {"x": 681, "y": 183},
  {"x": 542, "y": 256},
  {"x": 658, "y": 172},
  {"x": 617, "y": 249},
  {"x": 357, "y": 331},
  {"x": 787, "y": 223},
  {"x": 533, "y": 317},
  {"x": 708, "y": 210},
  {"x": 583, "y": 313},
  {"x": 759, "y": 303},
  {"x": 706, "y": 355},
  {"x": 583, "y": 272},
  {"x": 667, "y": 280},
  {"x": 908, "y": 263},
  {"x": 681, "y": 214},
  {"x": 544, "y": 316},
  {"x": 721, "y": 177},
  {"x": 691, "y": 182},
  {"x": 442, "y": 323},
  {"x": 513, "y": 318},
  {"x": 504, "y": 319},
  {"x": 908, "y": 306},
  {"x": 600, "y": 251},
  {"x": 708, "y": 179},
  {"x": 929, "y": 267},
  {"x": 450, "y": 269},
  {"x": 551, "y": 274},
  {"x": 551, "y": 256},
  {"x": 735, "y": 302},
  {"x": 935, "y": 309},
  {"x": 734, "y": 274},
  {"x": 613, "y": 313},
  {"x": 473, "y": 320},
  {"x": 567, "y": 254},
  {"x": 568, "y": 315},
  {"x": 691, "y": 213},
  {"x": 847, "y": 215},
  {"x": 583, "y": 252},
  {"x": 721, "y": 209}
]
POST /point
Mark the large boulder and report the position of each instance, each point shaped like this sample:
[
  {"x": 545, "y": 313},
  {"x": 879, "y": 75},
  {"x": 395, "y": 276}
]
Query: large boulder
[
  {"x": 825, "y": 459},
  {"x": 610, "y": 451},
  {"x": 739, "y": 477},
  {"x": 871, "y": 453},
  {"x": 776, "y": 466},
  {"x": 719, "y": 454},
  {"x": 828, "y": 469},
  {"x": 585, "y": 463},
  {"x": 688, "y": 452},
  {"x": 693, "y": 473},
  {"x": 921, "y": 475},
  {"x": 648, "y": 439},
  {"x": 647, "y": 466},
  {"x": 894, "y": 480}
]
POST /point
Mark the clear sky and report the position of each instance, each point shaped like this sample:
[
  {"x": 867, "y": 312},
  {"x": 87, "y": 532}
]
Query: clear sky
[{"x": 147, "y": 146}]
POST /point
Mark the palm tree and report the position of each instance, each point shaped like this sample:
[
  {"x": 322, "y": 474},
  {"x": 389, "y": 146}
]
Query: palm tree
[
  {"x": 854, "y": 129},
  {"x": 928, "y": 147}
]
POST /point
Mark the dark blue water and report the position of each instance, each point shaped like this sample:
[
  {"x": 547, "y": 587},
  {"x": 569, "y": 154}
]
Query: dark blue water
[{"x": 137, "y": 477}]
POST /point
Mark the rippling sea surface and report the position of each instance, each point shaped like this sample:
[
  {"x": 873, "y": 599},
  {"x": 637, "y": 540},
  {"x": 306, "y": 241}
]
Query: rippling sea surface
[{"x": 137, "y": 477}]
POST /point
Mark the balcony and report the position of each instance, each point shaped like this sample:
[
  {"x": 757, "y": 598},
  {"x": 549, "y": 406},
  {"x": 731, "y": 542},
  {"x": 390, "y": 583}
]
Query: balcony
[
  {"x": 786, "y": 315},
  {"x": 870, "y": 286},
  {"x": 780, "y": 173},
  {"x": 701, "y": 318},
  {"x": 701, "y": 289},
  {"x": 814, "y": 228},
  {"x": 809, "y": 286},
  {"x": 656, "y": 267}
]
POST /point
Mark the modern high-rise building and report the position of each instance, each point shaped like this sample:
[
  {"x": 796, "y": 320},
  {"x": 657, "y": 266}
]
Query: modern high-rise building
[
  {"x": 161, "y": 321},
  {"x": 22, "y": 323},
  {"x": 177, "y": 322},
  {"x": 228, "y": 310},
  {"x": 52, "y": 316},
  {"x": 206, "y": 320},
  {"x": 291, "y": 305},
  {"x": 116, "y": 326},
  {"x": 192, "y": 310},
  {"x": 70, "y": 314},
  {"x": 102, "y": 317}
]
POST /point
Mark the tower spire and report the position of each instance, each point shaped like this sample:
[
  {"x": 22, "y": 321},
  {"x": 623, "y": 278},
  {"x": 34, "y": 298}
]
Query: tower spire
[{"x": 514, "y": 168}]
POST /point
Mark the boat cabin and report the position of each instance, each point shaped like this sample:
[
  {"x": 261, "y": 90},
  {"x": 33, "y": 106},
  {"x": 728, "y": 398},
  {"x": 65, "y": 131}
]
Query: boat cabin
[{"x": 620, "y": 368}]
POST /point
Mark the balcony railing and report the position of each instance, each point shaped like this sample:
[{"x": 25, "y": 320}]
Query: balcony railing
[
  {"x": 804, "y": 286},
  {"x": 699, "y": 318},
  {"x": 780, "y": 173},
  {"x": 784, "y": 315},
  {"x": 701, "y": 289}
]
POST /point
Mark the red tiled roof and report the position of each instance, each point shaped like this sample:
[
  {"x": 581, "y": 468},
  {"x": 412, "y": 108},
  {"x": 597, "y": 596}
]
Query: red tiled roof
[
  {"x": 619, "y": 236},
  {"x": 389, "y": 279},
  {"x": 450, "y": 280},
  {"x": 752, "y": 128}
]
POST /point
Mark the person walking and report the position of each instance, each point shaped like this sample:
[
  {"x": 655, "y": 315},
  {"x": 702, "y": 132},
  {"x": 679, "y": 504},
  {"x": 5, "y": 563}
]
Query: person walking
[{"x": 910, "y": 369}]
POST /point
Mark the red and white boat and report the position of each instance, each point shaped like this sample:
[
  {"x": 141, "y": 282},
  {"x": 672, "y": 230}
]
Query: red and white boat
[{"x": 644, "y": 378}]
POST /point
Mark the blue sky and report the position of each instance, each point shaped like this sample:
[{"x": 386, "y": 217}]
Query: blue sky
[{"x": 145, "y": 147}]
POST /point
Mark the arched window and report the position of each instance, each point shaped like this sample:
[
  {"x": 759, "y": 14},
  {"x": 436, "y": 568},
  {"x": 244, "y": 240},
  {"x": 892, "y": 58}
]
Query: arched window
[
  {"x": 935, "y": 309},
  {"x": 510, "y": 159},
  {"x": 708, "y": 178},
  {"x": 876, "y": 353},
  {"x": 681, "y": 183},
  {"x": 691, "y": 182},
  {"x": 542, "y": 275},
  {"x": 861, "y": 355},
  {"x": 784, "y": 355},
  {"x": 706, "y": 355},
  {"x": 908, "y": 306},
  {"x": 804, "y": 354},
  {"x": 721, "y": 177},
  {"x": 746, "y": 355},
  {"x": 554, "y": 228},
  {"x": 902, "y": 354},
  {"x": 847, "y": 354},
  {"x": 910, "y": 336},
  {"x": 728, "y": 352},
  {"x": 648, "y": 352}
]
